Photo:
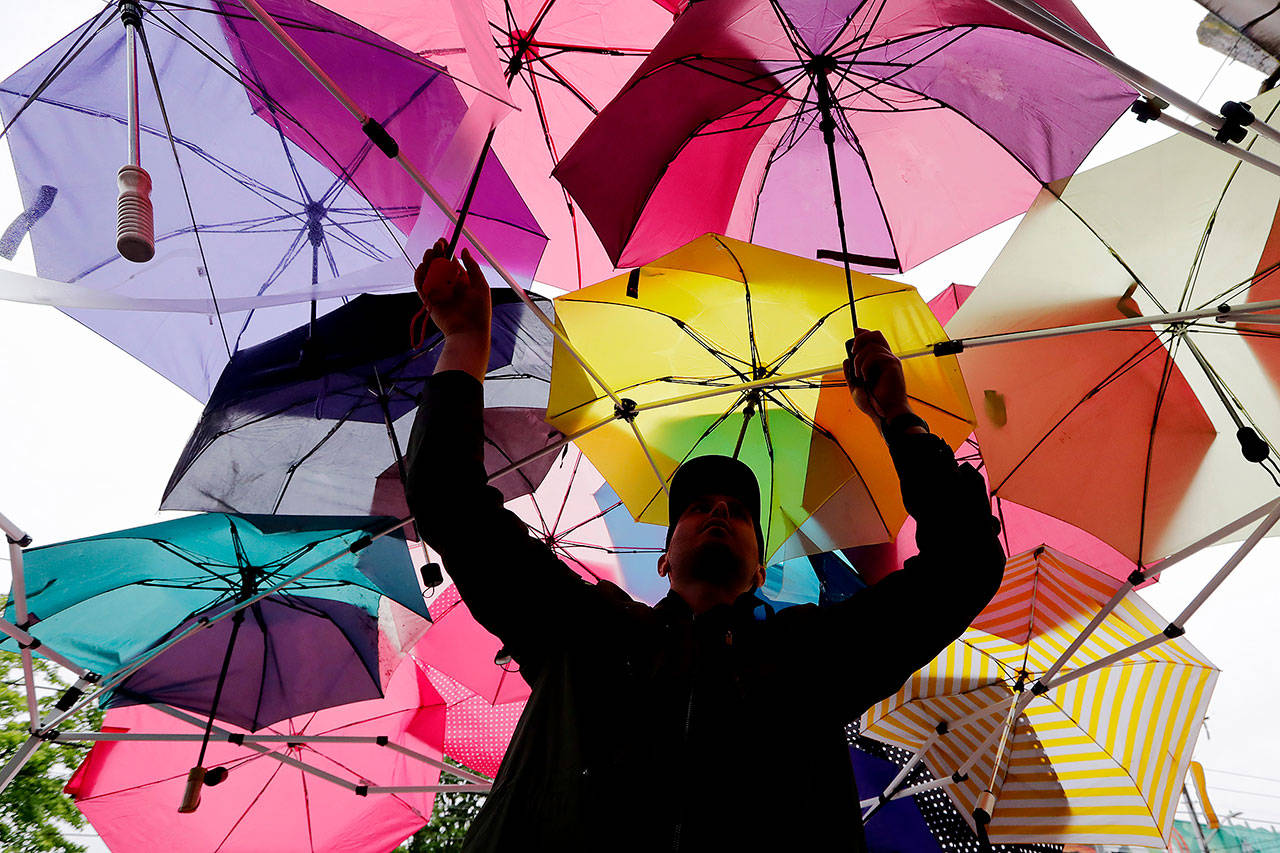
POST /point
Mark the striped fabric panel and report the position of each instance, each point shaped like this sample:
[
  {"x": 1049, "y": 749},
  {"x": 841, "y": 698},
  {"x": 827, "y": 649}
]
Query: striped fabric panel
[{"x": 1096, "y": 760}]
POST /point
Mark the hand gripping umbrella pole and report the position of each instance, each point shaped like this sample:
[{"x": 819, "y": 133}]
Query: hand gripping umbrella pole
[
  {"x": 90, "y": 686},
  {"x": 388, "y": 146},
  {"x": 1265, "y": 517},
  {"x": 1229, "y": 126}
]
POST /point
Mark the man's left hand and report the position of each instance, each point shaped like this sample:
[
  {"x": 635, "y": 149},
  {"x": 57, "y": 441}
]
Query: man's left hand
[{"x": 874, "y": 375}]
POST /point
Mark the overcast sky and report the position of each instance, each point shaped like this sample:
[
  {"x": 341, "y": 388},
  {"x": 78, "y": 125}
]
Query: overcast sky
[{"x": 89, "y": 435}]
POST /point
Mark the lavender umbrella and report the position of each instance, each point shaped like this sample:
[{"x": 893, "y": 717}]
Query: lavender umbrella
[{"x": 264, "y": 188}]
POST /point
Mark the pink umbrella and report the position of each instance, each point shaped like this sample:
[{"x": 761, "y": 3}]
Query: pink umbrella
[
  {"x": 562, "y": 61},
  {"x": 130, "y": 790},
  {"x": 950, "y": 116},
  {"x": 476, "y": 733}
]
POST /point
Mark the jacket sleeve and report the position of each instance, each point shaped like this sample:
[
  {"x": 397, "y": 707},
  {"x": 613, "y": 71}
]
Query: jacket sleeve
[
  {"x": 893, "y": 628},
  {"x": 514, "y": 585}
]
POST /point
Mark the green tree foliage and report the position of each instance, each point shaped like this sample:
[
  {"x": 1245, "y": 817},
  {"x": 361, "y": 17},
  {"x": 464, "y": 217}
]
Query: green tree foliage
[
  {"x": 34, "y": 813},
  {"x": 451, "y": 817}
]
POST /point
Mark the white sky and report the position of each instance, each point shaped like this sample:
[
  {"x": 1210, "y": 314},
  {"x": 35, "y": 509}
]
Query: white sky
[{"x": 88, "y": 435}]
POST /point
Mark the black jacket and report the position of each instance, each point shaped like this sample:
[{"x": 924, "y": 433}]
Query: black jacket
[{"x": 650, "y": 729}]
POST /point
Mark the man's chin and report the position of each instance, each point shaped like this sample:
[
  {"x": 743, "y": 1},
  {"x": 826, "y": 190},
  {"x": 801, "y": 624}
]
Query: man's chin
[{"x": 715, "y": 562}]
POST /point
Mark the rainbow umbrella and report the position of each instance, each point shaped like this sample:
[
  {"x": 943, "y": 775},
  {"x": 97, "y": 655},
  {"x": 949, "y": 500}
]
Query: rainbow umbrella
[{"x": 725, "y": 347}]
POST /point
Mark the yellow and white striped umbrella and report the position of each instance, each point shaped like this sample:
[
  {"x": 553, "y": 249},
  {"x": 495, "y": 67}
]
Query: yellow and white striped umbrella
[{"x": 1096, "y": 759}]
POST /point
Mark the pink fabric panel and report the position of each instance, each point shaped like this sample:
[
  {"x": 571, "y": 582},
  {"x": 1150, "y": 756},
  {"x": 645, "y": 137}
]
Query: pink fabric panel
[
  {"x": 937, "y": 195},
  {"x": 476, "y": 733},
  {"x": 945, "y": 305},
  {"x": 898, "y": 18},
  {"x": 457, "y": 645},
  {"x": 130, "y": 791}
]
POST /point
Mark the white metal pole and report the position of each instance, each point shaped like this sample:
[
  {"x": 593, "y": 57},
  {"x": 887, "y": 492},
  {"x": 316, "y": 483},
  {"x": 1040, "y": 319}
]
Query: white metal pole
[
  {"x": 18, "y": 760},
  {"x": 18, "y": 593},
  {"x": 1243, "y": 551},
  {"x": 1222, "y": 313}
]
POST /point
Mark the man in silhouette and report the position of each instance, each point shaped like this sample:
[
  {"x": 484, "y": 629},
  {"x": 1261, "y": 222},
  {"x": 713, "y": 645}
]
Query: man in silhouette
[{"x": 708, "y": 721}]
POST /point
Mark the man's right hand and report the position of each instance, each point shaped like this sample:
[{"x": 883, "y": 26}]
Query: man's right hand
[{"x": 457, "y": 298}]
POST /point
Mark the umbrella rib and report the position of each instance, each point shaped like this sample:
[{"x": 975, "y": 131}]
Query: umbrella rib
[
  {"x": 288, "y": 480},
  {"x": 76, "y": 48},
  {"x": 253, "y": 802}
]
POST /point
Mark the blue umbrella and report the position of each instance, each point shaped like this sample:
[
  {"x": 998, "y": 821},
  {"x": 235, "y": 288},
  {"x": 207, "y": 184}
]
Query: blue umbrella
[
  {"x": 313, "y": 421},
  {"x": 113, "y": 601}
]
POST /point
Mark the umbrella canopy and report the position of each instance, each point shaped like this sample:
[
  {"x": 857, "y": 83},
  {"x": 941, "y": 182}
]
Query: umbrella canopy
[
  {"x": 1132, "y": 435},
  {"x": 1095, "y": 759},
  {"x": 274, "y": 190},
  {"x": 558, "y": 62},
  {"x": 307, "y": 422},
  {"x": 148, "y": 584},
  {"x": 719, "y": 313},
  {"x": 127, "y": 790},
  {"x": 935, "y": 121}
]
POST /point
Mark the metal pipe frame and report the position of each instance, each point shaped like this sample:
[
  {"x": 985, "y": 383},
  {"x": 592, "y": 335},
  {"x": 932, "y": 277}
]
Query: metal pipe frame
[{"x": 1059, "y": 31}]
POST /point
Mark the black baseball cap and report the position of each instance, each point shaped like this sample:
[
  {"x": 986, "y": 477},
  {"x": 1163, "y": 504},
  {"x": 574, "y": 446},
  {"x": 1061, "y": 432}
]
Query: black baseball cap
[{"x": 714, "y": 475}]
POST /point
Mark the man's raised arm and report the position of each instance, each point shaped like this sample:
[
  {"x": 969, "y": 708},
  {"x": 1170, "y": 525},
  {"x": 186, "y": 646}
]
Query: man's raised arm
[
  {"x": 513, "y": 584},
  {"x": 901, "y": 623}
]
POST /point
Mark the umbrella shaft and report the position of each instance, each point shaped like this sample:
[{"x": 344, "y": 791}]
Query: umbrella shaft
[
  {"x": 236, "y": 621},
  {"x": 825, "y": 104},
  {"x": 131, "y": 91}
]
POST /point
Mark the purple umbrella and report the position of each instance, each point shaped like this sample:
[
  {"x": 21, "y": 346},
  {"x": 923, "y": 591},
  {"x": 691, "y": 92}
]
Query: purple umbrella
[
  {"x": 265, "y": 187},
  {"x": 925, "y": 122}
]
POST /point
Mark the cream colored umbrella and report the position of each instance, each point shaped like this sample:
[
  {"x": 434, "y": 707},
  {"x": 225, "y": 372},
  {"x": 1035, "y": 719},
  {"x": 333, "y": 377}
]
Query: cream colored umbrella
[{"x": 1065, "y": 714}]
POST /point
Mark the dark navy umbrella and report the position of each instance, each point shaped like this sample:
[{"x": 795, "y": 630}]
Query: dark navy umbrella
[{"x": 313, "y": 421}]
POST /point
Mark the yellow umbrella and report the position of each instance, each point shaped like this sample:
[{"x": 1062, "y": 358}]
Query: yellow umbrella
[
  {"x": 1065, "y": 714},
  {"x": 725, "y": 347}
]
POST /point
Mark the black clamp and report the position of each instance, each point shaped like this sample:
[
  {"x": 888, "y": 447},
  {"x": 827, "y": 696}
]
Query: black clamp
[
  {"x": 1174, "y": 631},
  {"x": 1039, "y": 688},
  {"x": 432, "y": 575},
  {"x": 626, "y": 410},
  {"x": 942, "y": 348},
  {"x": 1236, "y": 117},
  {"x": 1149, "y": 109},
  {"x": 941, "y": 728},
  {"x": 360, "y": 544},
  {"x": 1253, "y": 447},
  {"x": 1137, "y": 577},
  {"x": 382, "y": 740},
  {"x": 379, "y": 136},
  {"x": 362, "y": 790},
  {"x": 66, "y": 700},
  {"x": 130, "y": 13},
  {"x": 235, "y": 738},
  {"x": 959, "y": 777},
  {"x": 21, "y": 543}
]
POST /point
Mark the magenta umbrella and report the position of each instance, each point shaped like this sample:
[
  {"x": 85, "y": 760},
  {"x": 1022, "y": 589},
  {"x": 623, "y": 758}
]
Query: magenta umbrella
[
  {"x": 129, "y": 790},
  {"x": 925, "y": 123},
  {"x": 558, "y": 62}
]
